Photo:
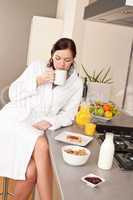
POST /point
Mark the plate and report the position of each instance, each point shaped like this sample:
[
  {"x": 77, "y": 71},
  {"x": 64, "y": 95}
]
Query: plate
[
  {"x": 99, "y": 118},
  {"x": 84, "y": 140}
]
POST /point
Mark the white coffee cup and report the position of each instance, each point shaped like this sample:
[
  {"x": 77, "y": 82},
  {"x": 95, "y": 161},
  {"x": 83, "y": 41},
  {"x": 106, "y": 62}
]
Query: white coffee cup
[{"x": 60, "y": 77}]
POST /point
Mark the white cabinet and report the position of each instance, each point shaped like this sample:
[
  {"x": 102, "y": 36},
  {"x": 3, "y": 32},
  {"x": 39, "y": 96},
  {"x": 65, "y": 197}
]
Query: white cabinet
[{"x": 44, "y": 32}]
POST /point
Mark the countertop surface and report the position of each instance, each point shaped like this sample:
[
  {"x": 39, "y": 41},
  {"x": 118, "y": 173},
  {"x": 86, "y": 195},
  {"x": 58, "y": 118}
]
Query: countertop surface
[{"x": 118, "y": 184}]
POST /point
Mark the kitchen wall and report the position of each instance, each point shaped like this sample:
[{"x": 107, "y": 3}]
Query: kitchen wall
[
  {"x": 107, "y": 45},
  {"x": 15, "y": 21},
  {"x": 99, "y": 45}
]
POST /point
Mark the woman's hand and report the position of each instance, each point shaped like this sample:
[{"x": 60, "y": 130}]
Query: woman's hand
[
  {"x": 47, "y": 77},
  {"x": 42, "y": 125}
]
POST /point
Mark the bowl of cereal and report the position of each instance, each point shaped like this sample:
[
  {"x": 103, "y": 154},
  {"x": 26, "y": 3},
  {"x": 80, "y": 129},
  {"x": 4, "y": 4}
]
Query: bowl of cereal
[{"x": 75, "y": 155}]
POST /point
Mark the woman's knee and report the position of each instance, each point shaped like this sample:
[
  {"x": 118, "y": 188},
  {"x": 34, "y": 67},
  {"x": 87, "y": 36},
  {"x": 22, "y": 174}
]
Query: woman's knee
[
  {"x": 23, "y": 188},
  {"x": 42, "y": 144}
]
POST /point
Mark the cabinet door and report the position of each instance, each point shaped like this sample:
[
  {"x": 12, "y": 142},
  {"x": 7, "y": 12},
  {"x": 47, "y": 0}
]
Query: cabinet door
[
  {"x": 1, "y": 188},
  {"x": 11, "y": 190},
  {"x": 1, "y": 185},
  {"x": 41, "y": 41},
  {"x": 11, "y": 186}
]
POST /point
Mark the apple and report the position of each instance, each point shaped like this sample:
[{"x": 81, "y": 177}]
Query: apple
[{"x": 99, "y": 111}]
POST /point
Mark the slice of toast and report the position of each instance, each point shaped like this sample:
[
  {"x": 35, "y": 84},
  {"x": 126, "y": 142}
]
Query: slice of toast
[{"x": 74, "y": 138}]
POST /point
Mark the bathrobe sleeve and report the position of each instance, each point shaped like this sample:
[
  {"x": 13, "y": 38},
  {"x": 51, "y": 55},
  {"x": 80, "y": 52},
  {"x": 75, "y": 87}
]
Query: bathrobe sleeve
[
  {"x": 26, "y": 85},
  {"x": 67, "y": 114}
]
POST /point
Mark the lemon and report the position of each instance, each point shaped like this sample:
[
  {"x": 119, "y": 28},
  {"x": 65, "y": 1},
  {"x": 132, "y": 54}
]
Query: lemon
[{"x": 108, "y": 114}]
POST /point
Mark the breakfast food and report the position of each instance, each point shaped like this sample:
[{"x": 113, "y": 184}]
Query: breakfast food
[
  {"x": 78, "y": 152},
  {"x": 93, "y": 180},
  {"x": 74, "y": 138}
]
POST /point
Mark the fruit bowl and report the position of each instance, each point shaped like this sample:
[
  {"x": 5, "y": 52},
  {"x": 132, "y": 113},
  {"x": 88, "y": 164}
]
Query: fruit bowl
[{"x": 103, "y": 111}]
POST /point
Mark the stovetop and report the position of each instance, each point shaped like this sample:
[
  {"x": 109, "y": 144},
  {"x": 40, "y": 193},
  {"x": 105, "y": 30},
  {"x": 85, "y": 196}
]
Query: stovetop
[{"x": 123, "y": 150}]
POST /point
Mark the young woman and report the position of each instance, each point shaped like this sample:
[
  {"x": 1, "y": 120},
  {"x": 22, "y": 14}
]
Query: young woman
[{"x": 36, "y": 104}]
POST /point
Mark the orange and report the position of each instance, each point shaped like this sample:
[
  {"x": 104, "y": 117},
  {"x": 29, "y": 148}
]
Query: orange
[{"x": 106, "y": 107}]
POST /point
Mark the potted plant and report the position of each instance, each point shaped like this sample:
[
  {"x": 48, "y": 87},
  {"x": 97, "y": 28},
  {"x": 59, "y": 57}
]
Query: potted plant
[{"x": 99, "y": 85}]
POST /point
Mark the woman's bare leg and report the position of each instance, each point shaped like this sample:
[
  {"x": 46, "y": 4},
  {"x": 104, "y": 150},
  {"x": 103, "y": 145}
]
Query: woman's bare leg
[
  {"x": 23, "y": 189},
  {"x": 39, "y": 169},
  {"x": 44, "y": 169}
]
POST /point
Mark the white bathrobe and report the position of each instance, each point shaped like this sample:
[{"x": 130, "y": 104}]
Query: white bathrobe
[{"x": 29, "y": 104}]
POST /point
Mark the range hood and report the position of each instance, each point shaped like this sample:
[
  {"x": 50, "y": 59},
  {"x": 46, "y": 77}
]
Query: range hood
[{"x": 111, "y": 11}]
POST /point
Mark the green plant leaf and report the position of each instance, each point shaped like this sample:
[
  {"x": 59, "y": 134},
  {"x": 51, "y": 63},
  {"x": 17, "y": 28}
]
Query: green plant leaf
[
  {"x": 105, "y": 75},
  {"x": 98, "y": 75},
  {"x": 101, "y": 77},
  {"x": 93, "y": 76},
  {"x": 108, "y": 80},
  {"x": 89, "y": 77}
]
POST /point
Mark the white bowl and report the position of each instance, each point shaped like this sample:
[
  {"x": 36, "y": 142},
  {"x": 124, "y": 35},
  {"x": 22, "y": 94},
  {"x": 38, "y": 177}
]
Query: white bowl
[{"x": 72, "y": 159}]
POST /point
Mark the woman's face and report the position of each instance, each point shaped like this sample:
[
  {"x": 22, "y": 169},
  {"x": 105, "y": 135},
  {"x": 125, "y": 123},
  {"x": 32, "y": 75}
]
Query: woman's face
[{"x": 62, "y": 59}]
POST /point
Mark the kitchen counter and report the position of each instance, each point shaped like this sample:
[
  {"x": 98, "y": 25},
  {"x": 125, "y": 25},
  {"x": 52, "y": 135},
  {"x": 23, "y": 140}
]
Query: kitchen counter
[{"x": 118, "y": 185}]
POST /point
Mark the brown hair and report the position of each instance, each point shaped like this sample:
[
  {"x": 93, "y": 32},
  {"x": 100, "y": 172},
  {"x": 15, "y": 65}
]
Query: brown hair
[{"x": 61, "y": 44}]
